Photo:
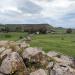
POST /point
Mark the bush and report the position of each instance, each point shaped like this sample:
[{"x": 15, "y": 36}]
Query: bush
[
  {"x": 7, "y": 36},
  {"x": 20, "y": 37},
  {"x": 7, "y": 29},
  {"x": 69, "y": 30}
]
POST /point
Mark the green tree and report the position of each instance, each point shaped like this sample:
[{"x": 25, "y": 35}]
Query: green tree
[
  {"x": 69, "y": 30},
  {"x": 18, "y": 29},
  {"x": 7, "y": 29}
]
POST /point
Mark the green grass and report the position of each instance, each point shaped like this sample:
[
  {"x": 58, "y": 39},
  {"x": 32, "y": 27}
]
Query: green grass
[
  {"x": 12, "y": 35},
  {"x": 64, "y": 43}
]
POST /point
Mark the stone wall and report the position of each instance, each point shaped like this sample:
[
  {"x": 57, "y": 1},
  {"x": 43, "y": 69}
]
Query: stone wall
[{"x": 18, "y": 58}]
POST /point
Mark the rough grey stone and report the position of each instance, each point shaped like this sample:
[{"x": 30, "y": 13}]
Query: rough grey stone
[
  {"x": 39, "y": 72},
  {"x": 61, "y": 69},
  {"x": 29, "y": 52},
  {"x": 13, "y": 62}
]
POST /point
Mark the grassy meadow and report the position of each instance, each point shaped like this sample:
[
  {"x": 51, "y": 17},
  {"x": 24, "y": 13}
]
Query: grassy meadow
[
  {"x": 12, "y": 36},
  {"x": 64, "y": 43}
]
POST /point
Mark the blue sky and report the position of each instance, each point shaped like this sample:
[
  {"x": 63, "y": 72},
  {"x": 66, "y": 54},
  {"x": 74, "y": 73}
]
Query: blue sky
[{"x": 59, "y": 13}]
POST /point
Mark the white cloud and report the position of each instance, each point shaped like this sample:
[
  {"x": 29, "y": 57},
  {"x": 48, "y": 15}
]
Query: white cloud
[
  {"x": 47, "y": 10},
  {"x": 56, "y": 8}
]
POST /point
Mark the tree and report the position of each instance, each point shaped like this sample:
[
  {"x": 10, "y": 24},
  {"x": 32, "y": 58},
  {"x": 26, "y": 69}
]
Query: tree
[
  {"x": 18, "y": 29},
  {"x": 7, "y": 29},
  {"x": 2, "y": 29},
  {"x": 69, "y": 30}
]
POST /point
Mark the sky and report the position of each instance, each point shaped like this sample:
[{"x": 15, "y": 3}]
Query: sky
[{"x": 59, "y": 13}]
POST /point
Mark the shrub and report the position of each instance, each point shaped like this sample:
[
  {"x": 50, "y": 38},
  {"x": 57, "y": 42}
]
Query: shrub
[
  {"x": 7, "y": 36},
  {"x": 7, "y": 29},
  {"x": 69, "y": 30},
  {"x": 20, "y": 37}
]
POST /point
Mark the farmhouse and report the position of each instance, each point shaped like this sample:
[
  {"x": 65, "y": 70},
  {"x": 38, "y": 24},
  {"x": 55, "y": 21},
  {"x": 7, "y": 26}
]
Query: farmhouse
[{"x": 31, "y": 28}]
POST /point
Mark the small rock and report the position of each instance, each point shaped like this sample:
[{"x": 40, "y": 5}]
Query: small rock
[
  {"x": 13, "y": 45},
  {"x": 28, "y": 38},
  {"x": 52, "y": 54},
  {"x": 2, "y": 49},
  {"x": 51, "y": 64},
  {"x": 23, "y": 45},
  {"x": 39, "y": 72}
]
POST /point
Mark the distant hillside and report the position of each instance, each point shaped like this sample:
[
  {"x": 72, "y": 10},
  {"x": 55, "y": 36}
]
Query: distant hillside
[
  {"x": 29, "y": 27},
  {"x": 2, "y": 27}
]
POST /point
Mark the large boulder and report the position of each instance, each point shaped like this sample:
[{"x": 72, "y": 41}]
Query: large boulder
[
  {"x": 3, "y": 43},
  {"x": 13, "y": 63},
  {"x": 5, "y": 53},
  {"x": 1, "y": 74},
  {"x": 34, "y": 58},
  {"x": 9, "y": 44},
  {"x": 58, "y": 57},
  {"x": 30, "y": 52},
  {"x": 61, "y": 69},
  {"x": 39, "y": 72},
  {"x": 68, "y": 60}
]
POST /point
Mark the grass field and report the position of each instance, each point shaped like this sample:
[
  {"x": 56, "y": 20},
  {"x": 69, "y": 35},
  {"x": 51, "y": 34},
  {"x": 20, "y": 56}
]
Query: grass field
[
  {"x": 12, "y": 35},
  {"x": 64, "y": 43}
]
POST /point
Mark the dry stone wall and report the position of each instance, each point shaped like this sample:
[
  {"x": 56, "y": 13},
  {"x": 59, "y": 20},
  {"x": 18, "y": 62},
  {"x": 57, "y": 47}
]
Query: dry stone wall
[{"x": 18, "y": 58}]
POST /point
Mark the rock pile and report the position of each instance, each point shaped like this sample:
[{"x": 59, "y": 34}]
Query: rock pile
[{"x": 18, "y": 58}]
